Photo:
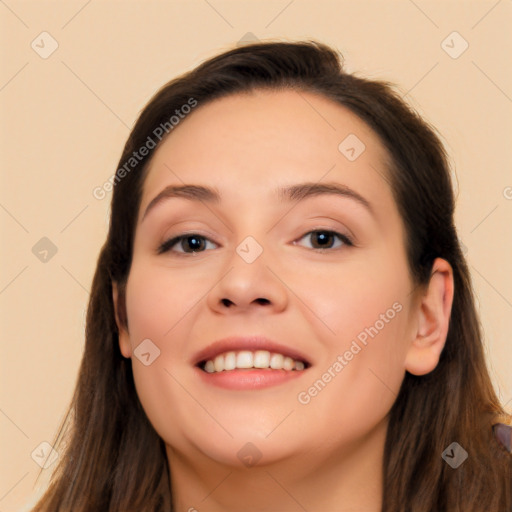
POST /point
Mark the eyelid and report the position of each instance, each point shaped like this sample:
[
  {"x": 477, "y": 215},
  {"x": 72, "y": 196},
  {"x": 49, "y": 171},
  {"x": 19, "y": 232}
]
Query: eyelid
[{"x": 338, "y": 227}]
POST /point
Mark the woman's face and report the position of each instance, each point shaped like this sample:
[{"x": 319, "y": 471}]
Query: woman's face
[{"x": 316, "y": 276}]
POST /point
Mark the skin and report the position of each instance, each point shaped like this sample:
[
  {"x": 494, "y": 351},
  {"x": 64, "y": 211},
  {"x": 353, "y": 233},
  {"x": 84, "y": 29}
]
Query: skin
[{"x": 326, "y": 454}]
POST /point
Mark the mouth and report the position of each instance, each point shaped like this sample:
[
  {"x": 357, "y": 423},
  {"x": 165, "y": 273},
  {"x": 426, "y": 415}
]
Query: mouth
[
  {"x": 249, "y": 363},
  {"x": 246, "y": 360}
]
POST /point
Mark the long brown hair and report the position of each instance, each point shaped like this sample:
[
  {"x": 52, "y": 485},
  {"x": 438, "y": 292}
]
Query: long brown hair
[{"x": 111, "y": 457}]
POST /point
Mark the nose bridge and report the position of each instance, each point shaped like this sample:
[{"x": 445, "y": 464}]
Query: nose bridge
[{"x": 249, "y": 249}]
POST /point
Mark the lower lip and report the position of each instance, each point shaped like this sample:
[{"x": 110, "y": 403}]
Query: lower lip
[{"x": 249, "y": 379}]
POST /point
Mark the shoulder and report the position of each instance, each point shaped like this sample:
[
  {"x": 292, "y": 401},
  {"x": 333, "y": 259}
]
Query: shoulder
[{"x": 503, "y": 434}]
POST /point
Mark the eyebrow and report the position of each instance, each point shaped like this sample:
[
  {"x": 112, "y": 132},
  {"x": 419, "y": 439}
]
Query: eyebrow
[{"x": 293, "y": 193}]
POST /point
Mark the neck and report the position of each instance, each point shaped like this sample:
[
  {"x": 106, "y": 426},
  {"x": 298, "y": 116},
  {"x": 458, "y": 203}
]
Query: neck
[{"x": 325, "y": 478}]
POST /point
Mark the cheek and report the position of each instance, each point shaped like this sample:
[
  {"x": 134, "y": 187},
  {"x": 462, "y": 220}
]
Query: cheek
[
  {"x": 156, "y": 306},
  {"x": 365, "y": 320},
  {"x": 357, "y": 295},
  {"x": 357, "y": 385},
  {"x": 157, "y": 301}
]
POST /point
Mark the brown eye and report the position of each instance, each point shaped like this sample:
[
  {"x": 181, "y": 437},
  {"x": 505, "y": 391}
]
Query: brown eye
[
  {"x": 188, "y": 244},
  {"x": 195, "y": 243},
  {"x": 325, "y": 239}
]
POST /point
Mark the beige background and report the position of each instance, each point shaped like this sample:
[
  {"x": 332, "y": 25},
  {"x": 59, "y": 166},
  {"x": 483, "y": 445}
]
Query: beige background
[{"x": 65, "y": 119}]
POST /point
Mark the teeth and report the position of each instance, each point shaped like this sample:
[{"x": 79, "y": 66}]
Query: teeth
[
  {"x": 261, "y": 359},
  {"x": 230, "y": 361},
  {"x": 209, "y": 367},
  {"x": 288, "y": 363},
  {"x": 246, "y": 359},
  {"x": 276, "y": 361},
  {"x": 218, "y": 363}
]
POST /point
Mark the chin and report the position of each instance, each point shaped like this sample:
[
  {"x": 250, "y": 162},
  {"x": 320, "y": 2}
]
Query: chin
[{"x": 247, "y": 449}]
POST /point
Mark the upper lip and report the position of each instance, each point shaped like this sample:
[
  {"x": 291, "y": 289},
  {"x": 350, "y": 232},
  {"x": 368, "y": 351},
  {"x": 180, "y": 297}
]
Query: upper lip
[{"x": 252, "y": 343}]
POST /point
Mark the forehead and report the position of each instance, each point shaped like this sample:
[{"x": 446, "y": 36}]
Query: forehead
[{"x": 252, "y": 141}]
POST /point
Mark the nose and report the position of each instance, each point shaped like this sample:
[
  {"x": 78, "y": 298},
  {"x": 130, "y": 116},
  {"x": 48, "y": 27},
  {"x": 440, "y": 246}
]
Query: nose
[{"x": 245, "y": 286}]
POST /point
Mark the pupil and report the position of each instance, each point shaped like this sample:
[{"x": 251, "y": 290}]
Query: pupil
[
  {"x": 322, "y": 237},
  {"x": 194, "y": 243}
]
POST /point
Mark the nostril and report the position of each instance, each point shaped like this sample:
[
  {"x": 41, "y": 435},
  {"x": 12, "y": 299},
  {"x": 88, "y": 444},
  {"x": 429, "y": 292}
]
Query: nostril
[{"x": 228, "y": 303}]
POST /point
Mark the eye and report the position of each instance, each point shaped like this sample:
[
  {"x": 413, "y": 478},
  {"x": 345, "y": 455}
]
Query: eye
[
  {"x": 324, "y": 239},
  {"x": 190, "y": 243},
  {"x": 193, "y": 243}
]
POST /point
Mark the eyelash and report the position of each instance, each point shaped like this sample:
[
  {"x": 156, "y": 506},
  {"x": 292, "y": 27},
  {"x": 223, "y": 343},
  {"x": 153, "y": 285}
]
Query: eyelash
[{"x": 169, "y": 244}]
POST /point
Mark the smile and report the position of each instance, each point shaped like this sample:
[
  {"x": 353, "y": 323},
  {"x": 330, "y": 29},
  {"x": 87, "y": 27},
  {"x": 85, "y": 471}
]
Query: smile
[{"x": 246, "y": 359}]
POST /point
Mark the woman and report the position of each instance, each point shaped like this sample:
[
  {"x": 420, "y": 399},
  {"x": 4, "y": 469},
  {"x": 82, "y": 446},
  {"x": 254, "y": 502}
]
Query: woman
[{"x": 236, "y": 361}]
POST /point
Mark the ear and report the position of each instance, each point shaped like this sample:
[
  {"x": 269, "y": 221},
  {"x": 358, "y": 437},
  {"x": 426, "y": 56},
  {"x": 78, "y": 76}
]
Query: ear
[
  {"x": 434, "y": 310},
  {"x": 118, "y": 297}
]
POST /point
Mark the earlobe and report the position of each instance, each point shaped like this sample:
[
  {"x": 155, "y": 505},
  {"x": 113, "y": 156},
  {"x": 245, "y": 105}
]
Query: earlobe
[
  {"x": 434, "y": 311},
  {"x": 118, "y": 298}
]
